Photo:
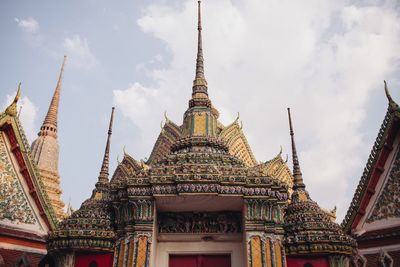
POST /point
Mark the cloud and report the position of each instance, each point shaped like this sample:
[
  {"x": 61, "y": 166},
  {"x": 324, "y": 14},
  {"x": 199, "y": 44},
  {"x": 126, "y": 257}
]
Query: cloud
[
  {"x": 31, "y": 32},
  {"x": 137, "y": 103},
  {"x": 79, "y": 54},
  {"x": 27, "y": 116},
  {"x": 29, "y": 25},
  {"x": 322, "y": 58}
]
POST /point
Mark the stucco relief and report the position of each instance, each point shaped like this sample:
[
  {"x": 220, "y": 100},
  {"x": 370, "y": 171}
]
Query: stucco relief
[
  {"x": 388, "y": 204},
  {"x": 14, "y": 206},
  {"x": 206, "y": 222}
]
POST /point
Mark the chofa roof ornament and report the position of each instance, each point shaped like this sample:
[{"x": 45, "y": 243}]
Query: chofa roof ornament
[{"x": 12, "y": 108}]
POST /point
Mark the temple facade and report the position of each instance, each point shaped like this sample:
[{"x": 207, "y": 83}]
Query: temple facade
[{"x": 201, "y": 200}]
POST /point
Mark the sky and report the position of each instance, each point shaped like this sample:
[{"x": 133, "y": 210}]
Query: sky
[{"x": 325, "y": 59}]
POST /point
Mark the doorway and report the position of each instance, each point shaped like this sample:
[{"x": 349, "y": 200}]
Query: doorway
[{"x": 200, "y": 260}]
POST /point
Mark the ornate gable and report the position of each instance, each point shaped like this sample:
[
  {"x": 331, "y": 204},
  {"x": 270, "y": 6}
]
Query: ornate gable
[
  {"x": 276, "y": 168},
  {"x": 237, "y": 143},
  {"x": 15, "y": 208},
  {"x": 387, "y": 205},
  {"x": 170, "y": 132},
  {"x": 377, "y": 171},
  {"x": 125, "y": 169},
  {"x": 232, "y": 135},
  {"x": 24, "y": 204}
]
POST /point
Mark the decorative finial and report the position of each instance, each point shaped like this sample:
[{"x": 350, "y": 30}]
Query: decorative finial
[
  {"x": 52, "y": 113},
  {"x": 103, "y": 176},
  {"x": 237, "y": 117},
  {"x": 298, "y": 178},
  {"x": 392, "y": 104},
  {"x": 165, "y": 116},
  {"x": 12, "y": 108},
  {"x": 199, "y": 83},
  {"x": 69, "y": 209},
  {"x": 124, "y": 150},
  {"x": 280, "y": 150}
]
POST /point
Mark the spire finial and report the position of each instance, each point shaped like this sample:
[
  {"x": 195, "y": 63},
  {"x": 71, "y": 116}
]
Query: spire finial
[
  {"x": 393, "y": 105},
  {"x": 389, "y": 97},
  {"x": 298, "y": 177},
  {"x": 199, "y": 83},
  {"x": 12, "y": 108},
  {"x": 51, "y": 116},
  {"x": 103, "y": 176}
]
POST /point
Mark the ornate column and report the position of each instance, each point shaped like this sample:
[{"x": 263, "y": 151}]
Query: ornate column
[
  {"x": 133, "y": 247},
  {"x": 264, "y": 232}
]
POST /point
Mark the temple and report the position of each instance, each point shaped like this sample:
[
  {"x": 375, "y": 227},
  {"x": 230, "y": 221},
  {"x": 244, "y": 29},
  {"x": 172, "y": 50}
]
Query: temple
[{"x": 200, "y": 200}]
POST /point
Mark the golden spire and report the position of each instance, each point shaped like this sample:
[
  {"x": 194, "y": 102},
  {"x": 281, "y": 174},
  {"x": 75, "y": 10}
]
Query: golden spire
[
  {"x": 12, "y": 108},
  {"x": 51, "y": 117},
  {"x": 103, "y": 176},
  {"x": 199, "y": 83},
  {"x": 298, "y": 177}
]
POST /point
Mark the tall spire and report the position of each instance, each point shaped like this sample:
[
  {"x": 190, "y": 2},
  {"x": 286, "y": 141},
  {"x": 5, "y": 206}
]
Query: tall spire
[
  {"x": 45, "y": 151},
  {"x": 199, "y": 83},
  {"x": 298, "y": 177},
  {"x": 51, "y": 117},
  {"x": 103, "y": 176}
]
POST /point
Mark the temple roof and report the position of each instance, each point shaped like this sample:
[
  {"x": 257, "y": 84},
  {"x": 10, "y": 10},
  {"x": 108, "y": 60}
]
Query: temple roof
[
  {"x": 237, "y": 142},
  {"x": 276, "y": 167},
  {"x": 375, "y": 164},
  {"x": 19, "y": 168},
  {"x": 170, "y": 132},
  {"x": 202, "y": 153},
  {"x": 309, "y": 229}
]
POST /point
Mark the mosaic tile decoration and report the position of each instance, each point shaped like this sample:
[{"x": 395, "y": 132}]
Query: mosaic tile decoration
[{"x": 14, "y": 206}]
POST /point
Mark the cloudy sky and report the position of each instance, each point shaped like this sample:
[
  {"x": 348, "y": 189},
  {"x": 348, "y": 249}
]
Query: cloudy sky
[{"x": 325, "y": 59}]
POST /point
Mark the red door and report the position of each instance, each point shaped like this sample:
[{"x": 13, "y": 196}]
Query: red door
[{"x": 199, "y": 261}]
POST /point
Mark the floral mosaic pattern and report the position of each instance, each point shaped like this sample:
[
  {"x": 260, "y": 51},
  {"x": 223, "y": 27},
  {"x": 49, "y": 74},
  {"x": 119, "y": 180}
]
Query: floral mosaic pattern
[
  {"x": 13, "y": 204},
  {"x": 388, "y": 204}
]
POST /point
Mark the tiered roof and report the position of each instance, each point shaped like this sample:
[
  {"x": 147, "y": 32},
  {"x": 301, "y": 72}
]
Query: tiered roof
[
  {"x": 90, "y": 227},
  {"x": 308, "y": 229}
]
